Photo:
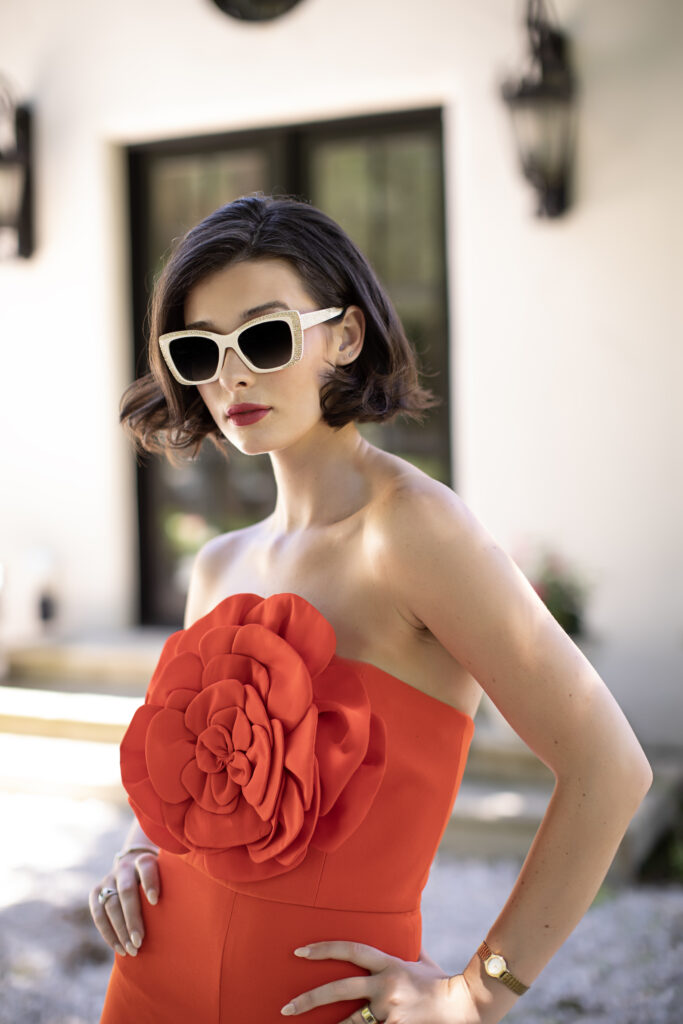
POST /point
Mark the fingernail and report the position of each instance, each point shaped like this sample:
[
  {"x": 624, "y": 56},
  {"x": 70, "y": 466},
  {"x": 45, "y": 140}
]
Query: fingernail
[
  {"x": 302, "y": 951},
  {"x": 120, "y": 950},
  {"x": 136, "y": 939},
  {"x": 152, "y": 896},
  {"x": 288, "y": 1010},
  {"x": 130, "y": 949}
]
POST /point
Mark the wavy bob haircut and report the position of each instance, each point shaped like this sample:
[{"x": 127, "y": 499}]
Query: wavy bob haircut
[{"x": 163, "y": 416}]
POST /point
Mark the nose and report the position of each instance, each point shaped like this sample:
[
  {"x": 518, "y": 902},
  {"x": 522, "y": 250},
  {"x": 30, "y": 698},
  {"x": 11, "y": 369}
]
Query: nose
[{"x": 234, "y": 373}]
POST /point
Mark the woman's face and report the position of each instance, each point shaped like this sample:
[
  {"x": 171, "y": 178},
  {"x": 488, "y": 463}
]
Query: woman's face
[{"x": 290, "y": 397}]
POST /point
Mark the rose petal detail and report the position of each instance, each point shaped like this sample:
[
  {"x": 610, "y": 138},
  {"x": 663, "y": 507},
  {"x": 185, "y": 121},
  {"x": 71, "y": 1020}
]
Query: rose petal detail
[
  {"x": 259, "y": 754},
  {"x": 289, "y": 692},
  {"x": 223, "y": 667},
  {"x": 350, "y": 808},
  {"x": 214, "y": 831},
  {"x": 255, "y": 742},
  {"x": 198, "y": 785},
  {"x": 301, "y": 626},
  {"x": 227, "y": 693},
  {"x": 214, "y": 747},
  {"x": 232, "y": 611},
  {"x": 216, "y": 642},
  {"x": 267, "y": 809},
  {"x": 182, "y": 672},
  {"x": 132, "y": 750},
  {"x": 225, "y": 791},
  {"x": 300, "y": 753},
  {"x": 168, "y": 747},
  {"x": 241, "y": 730}
]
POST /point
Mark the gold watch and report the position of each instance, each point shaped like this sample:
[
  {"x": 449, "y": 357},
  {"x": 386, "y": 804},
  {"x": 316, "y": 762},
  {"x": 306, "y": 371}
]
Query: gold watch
[{"x": 496, "y": 966}]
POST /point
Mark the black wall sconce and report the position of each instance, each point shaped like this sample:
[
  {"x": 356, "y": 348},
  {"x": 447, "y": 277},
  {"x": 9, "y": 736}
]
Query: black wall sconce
[
  {"x": 16, "y": 207},
  {"x": 541, "y": 104},
  {"x": 255, "y": 10}
]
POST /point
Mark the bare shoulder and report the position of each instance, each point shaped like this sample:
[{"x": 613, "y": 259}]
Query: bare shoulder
[
  {"x": 432, "y": 553},
  {"x": 210, "y": 568},
  {"x": 414, "y": 516}
]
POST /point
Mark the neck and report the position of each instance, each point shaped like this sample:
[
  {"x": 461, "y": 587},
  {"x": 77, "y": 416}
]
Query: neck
[{"x": 320, "y": 480}]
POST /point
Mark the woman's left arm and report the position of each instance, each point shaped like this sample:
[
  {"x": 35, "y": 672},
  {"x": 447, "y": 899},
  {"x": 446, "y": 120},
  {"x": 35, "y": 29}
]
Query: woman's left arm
[
  {"x": 456, "y": 581},
  {"x": 448, "y": 576}
]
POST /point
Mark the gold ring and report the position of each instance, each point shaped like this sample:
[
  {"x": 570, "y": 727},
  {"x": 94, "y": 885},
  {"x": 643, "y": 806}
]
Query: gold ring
[{"x": 368, "y": 1016}]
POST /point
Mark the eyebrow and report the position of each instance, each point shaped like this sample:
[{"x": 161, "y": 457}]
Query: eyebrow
[{"x": 247, "y": 314}]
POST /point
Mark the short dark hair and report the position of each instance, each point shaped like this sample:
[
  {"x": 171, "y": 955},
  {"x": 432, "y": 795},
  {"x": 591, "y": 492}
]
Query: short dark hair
[{"x": 164, "y": 416}]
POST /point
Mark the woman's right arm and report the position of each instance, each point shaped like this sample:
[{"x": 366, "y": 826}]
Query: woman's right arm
[{"x": 119, "y": 920}]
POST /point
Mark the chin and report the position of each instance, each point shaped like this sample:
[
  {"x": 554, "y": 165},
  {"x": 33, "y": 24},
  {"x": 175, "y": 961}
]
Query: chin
[
  {"x": 265, "y": 442},
  {"x": 249, "y": 447}
]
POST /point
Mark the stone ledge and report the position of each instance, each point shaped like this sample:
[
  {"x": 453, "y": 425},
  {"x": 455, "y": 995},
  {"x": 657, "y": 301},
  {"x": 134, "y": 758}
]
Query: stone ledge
[
  {"x": 128, "y": 657},
  {"x": 497, "y": 818},
  {"x": 79, "y": 716}
]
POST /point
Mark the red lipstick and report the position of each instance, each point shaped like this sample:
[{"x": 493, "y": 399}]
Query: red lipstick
[{"x": 243, "y": 415}]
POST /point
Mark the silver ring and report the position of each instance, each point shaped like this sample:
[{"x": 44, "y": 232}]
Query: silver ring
[
  {"x": 368, "y": 1016},
  {"x": 104, "y": 894}
]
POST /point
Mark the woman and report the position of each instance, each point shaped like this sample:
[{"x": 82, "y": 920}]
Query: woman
[{"x": 303, "y": 739}]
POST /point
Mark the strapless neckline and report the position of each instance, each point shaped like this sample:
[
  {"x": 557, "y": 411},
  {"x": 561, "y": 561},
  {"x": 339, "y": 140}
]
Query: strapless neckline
[
  {"x": 414, "y": 690},
  {"x": 419, "y": 694}
]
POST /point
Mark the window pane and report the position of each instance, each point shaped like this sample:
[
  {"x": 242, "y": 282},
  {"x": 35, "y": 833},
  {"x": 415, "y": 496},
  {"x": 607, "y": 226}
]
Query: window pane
[
  {"x": 186, "y": 188},
  {"x": 186, "y": 505},
  {"x": 386, "y": 192},
  {"x": 382, "y": 180}
]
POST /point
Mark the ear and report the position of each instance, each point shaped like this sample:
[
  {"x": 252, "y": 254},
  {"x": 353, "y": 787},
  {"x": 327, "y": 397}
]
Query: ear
[{"x": 349, "y": 336}]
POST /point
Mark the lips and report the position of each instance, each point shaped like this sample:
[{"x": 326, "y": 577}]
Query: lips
[{"x": 246, "y": 413}]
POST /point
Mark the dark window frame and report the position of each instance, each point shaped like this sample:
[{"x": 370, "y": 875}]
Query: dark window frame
[{"x": 286, "y": 145}]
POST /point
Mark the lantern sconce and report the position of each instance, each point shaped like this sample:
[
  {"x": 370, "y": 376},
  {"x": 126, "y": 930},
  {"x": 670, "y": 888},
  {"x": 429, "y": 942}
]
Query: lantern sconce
[
  {"x": 16, "y": 205},
  {"x": 541, "y": 105}
]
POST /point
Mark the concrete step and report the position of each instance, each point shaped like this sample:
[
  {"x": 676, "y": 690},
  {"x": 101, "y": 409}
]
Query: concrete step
[
  {"x": 125, "y": 658},
  {"x": 498, "y": 752},
  {"x": 498, "y": 817},
  {"x": 95, "y": 717},
  {"x": 60, "y": 767}
]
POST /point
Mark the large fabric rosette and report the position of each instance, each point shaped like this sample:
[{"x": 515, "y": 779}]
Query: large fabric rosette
[{"x": 254, "y": 741}]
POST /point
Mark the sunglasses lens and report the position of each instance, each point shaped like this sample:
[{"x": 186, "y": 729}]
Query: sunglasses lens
[
  {"x": 267, "y": 345},
  {"x": 195, "y": 358}
]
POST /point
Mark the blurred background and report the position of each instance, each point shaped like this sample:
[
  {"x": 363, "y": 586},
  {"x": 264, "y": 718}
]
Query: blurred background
[{"x": 518, "y": 191}]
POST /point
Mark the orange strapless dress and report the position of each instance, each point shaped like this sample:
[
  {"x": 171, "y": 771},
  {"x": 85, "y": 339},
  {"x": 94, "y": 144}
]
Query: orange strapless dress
[{"x": 297, "y": 796}]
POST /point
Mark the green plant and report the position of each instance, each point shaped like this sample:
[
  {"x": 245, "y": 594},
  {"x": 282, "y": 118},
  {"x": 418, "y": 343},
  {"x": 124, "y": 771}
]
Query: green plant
[{"x": 563, "y": 593}]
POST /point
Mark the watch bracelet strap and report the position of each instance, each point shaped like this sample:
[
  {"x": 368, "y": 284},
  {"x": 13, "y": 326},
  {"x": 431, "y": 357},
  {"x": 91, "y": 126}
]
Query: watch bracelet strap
[{"x": 507, "y": 977}]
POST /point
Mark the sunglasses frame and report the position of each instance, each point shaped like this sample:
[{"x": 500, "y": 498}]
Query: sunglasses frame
[{"x": 298, "y": 323}]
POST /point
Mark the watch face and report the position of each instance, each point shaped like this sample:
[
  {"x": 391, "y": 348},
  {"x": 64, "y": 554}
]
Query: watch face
[
  {"x": 255, "y": 10},
  {"x": 495, "y": 966}
]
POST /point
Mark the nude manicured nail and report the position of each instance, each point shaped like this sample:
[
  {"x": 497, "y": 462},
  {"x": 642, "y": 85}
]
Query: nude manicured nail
[
  {"x": 120, "y": 950},
  {"x": 130, "y": 949},
  {"x": 152, "y": 896},
  {"x": 136, "y": 939},
  {"x": 288, "y": 1010},
  {"x": 302, "y": 951}
]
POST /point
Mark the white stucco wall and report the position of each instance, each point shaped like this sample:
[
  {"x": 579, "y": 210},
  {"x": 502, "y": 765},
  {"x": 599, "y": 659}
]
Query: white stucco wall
[{"x": 567, "y": 359}]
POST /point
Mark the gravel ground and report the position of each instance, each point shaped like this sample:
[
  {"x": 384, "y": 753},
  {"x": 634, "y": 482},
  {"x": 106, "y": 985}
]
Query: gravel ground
[{"x": 623, "y": 964}]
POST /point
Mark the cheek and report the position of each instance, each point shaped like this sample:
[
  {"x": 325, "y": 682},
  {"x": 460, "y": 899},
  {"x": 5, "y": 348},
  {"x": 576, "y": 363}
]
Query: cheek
[{"x": 211, "y": 399}]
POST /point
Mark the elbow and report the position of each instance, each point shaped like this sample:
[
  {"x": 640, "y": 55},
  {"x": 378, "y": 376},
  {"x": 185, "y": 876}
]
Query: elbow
[
  {"x": 619, "y": 771},
  {"x": 643, "y": 775},
  {"x": 635, "y": 777}
]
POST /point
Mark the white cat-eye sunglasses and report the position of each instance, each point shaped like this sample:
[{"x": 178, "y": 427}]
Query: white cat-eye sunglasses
[{"x": 268, "y": 343}]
